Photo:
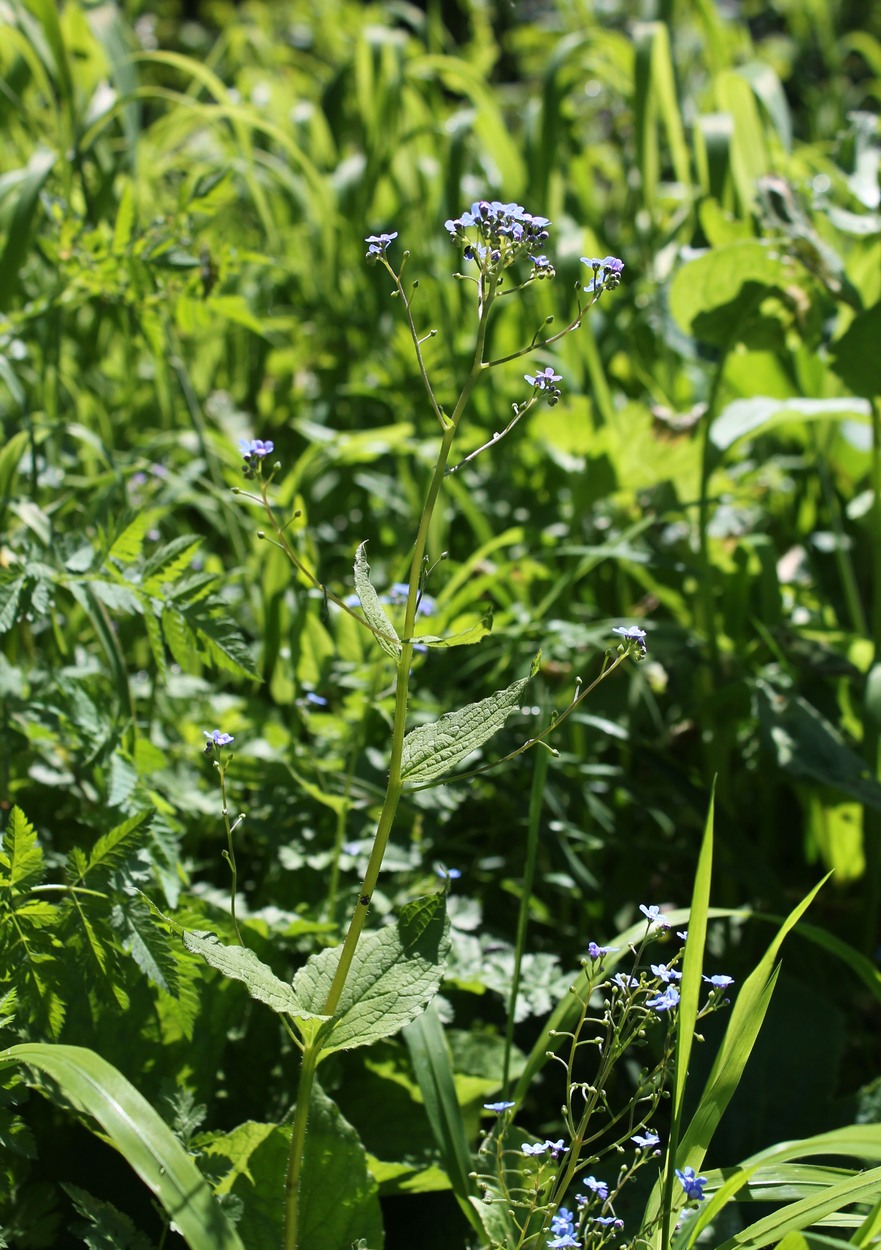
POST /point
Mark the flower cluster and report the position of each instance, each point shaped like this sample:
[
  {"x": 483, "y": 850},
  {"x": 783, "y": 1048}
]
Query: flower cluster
[
  {"x": 563, "y": 1230},
  {"x": 611, "y": 267},
  {"x": 504, "y": 232},
  {"x": 632, "y": 633},
  {"x": 378, "y": 245},
  {"x": 544, "y": 383},
  {"x": 254, "y": 452},
  {"x": 554, "y": 1148}
]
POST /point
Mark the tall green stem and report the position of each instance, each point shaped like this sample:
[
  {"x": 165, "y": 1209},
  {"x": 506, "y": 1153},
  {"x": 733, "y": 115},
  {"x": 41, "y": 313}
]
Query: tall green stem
[{"x": 395, "y": 785}]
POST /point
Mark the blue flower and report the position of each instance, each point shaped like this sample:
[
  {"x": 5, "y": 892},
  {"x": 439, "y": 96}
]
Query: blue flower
[
  {"x": 563, "y": 1222},
  {"x": 632, "y": 633},
  {"x": 646, "y": 1140},
  {"x": 539, "y": 1148},
  {"x": 498, "y": 1107},
  {"x": 556, "y": 1148},
  {"x": 611, "y": 267},
  {"x": 563, "y": 1228},
  {"x": 256, "y": 448},
  {"x": 600, "y": 1188},
  {"x": 693, "y": 1185},
  {"x": 316, "y": 699},
  {"x": 216, "y": 739},
  {"x": 608, "y": 1220},
  {"x": 624, "y": 982},
  {"x": 597, "y": 952},
  {"x": 666, "y": 1001},
  {"x": 720, "y": 981},
  {"x": 653, "y": 915},
  {"x": 449, "y": 874},
  {"x": 379, "y": 244},
  {"x": 667, "y": 974},
  {"x": 544, "y": 379}
]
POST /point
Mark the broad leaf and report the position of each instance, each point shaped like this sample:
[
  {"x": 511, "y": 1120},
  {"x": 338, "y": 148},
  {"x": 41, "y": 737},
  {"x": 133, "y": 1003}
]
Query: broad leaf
[
  {"x": 240, "y": 964},
  {"x": 374, "y": 612},
  {"x": 94, "y": 1087},
  {"x": 430, "y": 751},
  {"x": 394, "y": 974}
]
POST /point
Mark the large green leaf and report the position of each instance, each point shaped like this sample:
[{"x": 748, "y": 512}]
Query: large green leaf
[
  {"x": 96, "y": 1088},
  {"x": 394, "y": 974},
  {"x": 714, "y": 296},
  {"x": 430, "y": 751},
  {"x": 240, "y": 964}
]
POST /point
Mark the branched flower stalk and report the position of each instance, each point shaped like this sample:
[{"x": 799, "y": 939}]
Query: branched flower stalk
[{"x": 495, "y": 237}]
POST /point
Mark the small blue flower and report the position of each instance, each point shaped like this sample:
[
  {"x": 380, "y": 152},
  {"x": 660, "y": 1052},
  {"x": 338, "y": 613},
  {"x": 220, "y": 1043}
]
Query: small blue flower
[
  {"x": 544, "y": 379},
  {"x": 316, "y": 700},
  {"x": 632, "y": 633},
  {"x": 608, "y": 1220},
  {"x": 611, "y": 267},
  {"x": 653, "y": 915},
  {"x": 398, "y": 592},
  {"x": 563, "y": 1242},
  {"x": 720, "y": 981},
  {"x": 693, "y": 1185},
  {"x": 597, "y": 952},
  {"x": 624, "y": 982},
  {"x": 498, "y": 1107},
  {"x": 379, "y": 244},
  {"x": 556, "y": 1148},
  {"x": 563, "y": 1222},
  {"x": 666, "y": 1001},
  {"x": 256, "y": 448},
  {"x": 646, "y": 1140},
  {"x": 216, "y": 739},
  {"x": 539, "y": 1148},
  {"x": 448, "y": 874},
  {"x": 667, "y": 974},
  {"x": 600, "y": 1188}
]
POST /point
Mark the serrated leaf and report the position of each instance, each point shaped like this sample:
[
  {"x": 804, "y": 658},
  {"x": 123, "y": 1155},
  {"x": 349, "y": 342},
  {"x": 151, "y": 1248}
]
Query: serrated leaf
[
  {"x": 240, "y": 964},
  {"x": 374, "y": 613},
  {"x": 169, "y": 562},
  {"x": 430, "y": 751},
  {"x": 222, "y": 639},
  {"x": 121, "y": 843},
  {"x": 10, "y": 596},
  {"x": 181, "y": 640},
  {"x": 22, "y": 853},
  {"x": 394, "y": 974},
  {"x": 126, "y": 547},
  {"x": 123, "y": 779},
  {"x": 117, "y": 596},
  {"x": 146, "y": 942}
]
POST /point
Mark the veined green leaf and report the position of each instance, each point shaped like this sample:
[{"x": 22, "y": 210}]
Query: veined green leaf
[
  {"x": 374, "y": 612},
  {"x": 430, "y": 751},
  {"x": 240, "y": 964},
  {"x": 126, "y": 547},
  {"x": 142, "y": 1137},
  {"x": 22, "y": 855},
  {"x": 394, "y": 974}
]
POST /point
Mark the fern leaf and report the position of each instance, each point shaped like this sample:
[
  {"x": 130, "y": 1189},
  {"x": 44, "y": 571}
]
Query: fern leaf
[{"x": 22, "y": 854}]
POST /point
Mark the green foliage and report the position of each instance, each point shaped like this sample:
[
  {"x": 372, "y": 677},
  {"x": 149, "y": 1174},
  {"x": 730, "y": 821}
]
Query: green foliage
[{"x": 182, "y": 209}]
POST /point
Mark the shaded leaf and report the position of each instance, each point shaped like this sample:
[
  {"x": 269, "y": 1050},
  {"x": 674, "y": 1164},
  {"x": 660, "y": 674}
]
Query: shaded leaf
[
  {"x": 394, "y": 974},
  {"x": 240, "y": 964}
]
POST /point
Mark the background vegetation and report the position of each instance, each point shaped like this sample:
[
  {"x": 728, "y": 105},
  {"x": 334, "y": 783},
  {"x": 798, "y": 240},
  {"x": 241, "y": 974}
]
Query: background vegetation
[{"x": 183, "y": 200}]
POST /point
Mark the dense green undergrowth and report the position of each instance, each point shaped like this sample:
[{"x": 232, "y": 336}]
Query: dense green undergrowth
[{"x": 183, "y": 206}]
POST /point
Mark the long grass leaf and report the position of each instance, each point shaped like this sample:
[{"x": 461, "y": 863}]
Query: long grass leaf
[{"x": 140, "y": 1135}]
